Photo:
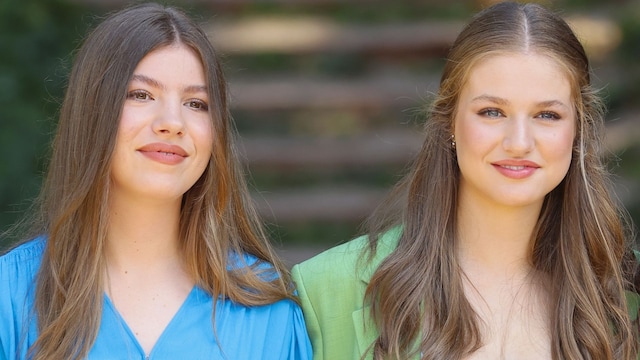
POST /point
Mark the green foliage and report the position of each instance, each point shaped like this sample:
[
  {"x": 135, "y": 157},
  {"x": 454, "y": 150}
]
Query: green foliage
[{"x": 36, "y": 38}]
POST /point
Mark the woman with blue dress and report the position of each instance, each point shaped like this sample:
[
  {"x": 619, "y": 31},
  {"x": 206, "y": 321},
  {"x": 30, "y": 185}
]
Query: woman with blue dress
[{"x": 144, "y": 243}]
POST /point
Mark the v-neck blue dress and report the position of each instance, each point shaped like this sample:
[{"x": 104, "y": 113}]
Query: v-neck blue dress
[{"x": 271, "y": 332}]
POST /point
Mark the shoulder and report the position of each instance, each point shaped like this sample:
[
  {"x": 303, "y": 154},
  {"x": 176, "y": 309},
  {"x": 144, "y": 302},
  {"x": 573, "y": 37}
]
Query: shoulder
[
  {"x": 345, "y": 269},
  {"x": 23, "y": 260},
  {"x": 244, "y": 262},
  {"x": 633, "y": 305},
  {"x": 25, "y": 250},
  {"x": 351, "y": 258},
  {"x": 18, "y": 269},
  {"x": 269, "y": 330},
  {"x": 336, "y": 259},
  {"x": 331, "y": 287}
]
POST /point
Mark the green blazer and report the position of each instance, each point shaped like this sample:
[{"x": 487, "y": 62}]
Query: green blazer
[{"x": 331, "y": 288}]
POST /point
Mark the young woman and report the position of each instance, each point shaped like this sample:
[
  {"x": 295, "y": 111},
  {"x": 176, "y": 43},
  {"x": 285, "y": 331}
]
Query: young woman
[
  {"x": 503, "y": 241},
  {"x": 146, "y": 245}
]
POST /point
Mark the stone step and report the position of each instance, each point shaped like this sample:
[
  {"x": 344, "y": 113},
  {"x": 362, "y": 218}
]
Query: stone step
[
  {"x": 371, "y": 149},
  {"x": 289, "y": 92},
  {"x": 329, "y": 203},
  {"x": 316, "y": 35}
]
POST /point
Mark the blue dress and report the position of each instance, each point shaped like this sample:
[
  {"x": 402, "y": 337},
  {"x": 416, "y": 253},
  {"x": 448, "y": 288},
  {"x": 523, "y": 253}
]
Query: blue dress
[{"x": 275, "y": 331}]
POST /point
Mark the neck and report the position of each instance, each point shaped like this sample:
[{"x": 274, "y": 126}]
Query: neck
[
  {"x": 495, "y": 239},
  {"x": 142, "y": 233}
]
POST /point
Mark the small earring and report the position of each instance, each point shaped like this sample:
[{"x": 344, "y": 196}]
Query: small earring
[{"x": 453, "y": 141}]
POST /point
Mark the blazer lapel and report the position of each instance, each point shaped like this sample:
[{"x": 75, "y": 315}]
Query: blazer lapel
[{"x": 365, "y": 329}]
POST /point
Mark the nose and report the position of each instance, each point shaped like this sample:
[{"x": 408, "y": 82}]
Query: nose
[
  {"x": 518, "y": 137},
  {"x": 169, "y": 120}
]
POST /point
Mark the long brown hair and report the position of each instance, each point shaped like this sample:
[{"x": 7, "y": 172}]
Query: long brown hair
[
  {"x": 217, "y": 218},
  {"x": 580, "y": 240}
]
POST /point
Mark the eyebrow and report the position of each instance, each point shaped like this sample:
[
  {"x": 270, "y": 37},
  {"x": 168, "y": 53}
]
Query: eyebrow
[
  {"x": 493, "y": 99},
  {"x": 501, "y": 101},
  {"x": 155, "y": 83}
]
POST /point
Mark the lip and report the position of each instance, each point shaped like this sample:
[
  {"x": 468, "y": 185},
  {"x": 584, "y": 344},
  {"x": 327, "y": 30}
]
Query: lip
[
  {"x": 164, "y": 153},
  {"x": 516, "y": 169}
]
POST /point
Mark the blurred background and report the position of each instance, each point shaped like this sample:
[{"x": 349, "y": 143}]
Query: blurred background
[{"x": 327, "y": 96}]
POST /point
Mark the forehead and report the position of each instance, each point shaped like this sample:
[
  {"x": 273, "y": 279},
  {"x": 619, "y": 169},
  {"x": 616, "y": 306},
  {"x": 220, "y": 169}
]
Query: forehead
[
  {"x": 519, "y": 75},
  {"x": 172, "y": 58}
]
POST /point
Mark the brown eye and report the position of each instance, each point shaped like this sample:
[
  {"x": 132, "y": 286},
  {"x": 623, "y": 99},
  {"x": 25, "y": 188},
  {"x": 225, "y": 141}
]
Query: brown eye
[
  {"x": 197, "y": 105},
  {"x": 139, "y": 95}
]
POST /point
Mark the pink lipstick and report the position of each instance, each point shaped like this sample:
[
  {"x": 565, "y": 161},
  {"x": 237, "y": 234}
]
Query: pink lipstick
[
  {"x": 516, "y": 169},
  {"x": 164, "y": 153}
]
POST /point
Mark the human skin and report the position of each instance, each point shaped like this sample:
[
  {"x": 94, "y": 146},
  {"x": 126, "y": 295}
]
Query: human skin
[
  {"x": 165, "y": 135},
  {"x": 514, "y": 129},
  {"x": 163, "y": 146}
]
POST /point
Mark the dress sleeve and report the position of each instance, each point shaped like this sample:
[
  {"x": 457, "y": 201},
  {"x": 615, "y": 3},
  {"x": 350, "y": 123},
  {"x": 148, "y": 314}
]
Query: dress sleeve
[
  {"x": 17, "y": 270},
  {"x": 3, "y": 350},
  {"x": 277, "y": 330},
  {"x": 300, "y": 344},
  {"x": 8, "y": 321}
]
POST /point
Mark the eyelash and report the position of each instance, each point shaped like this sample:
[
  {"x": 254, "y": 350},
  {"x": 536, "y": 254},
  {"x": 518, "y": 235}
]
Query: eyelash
[
  {"x": 485, "y": 112},
  {"x": 195, "y": 104},
  {"x": 549, "y": 115},
  {"x": 546, "y": 115},
  {"x": 201, "y": 105},
  {"x": 135, "y": 93}
]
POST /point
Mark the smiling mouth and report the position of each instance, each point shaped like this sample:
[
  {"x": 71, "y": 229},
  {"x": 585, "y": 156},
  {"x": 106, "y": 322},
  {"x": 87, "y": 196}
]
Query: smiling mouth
[
  {"x": 168, "y": 153},
  {"x": 512, "y": 167},
  {"x": 164, "y": 149},
  {"x": 517, "y": 172},
  {"x": 164, "y": 157},
  {"x": 164, "y": 153}
]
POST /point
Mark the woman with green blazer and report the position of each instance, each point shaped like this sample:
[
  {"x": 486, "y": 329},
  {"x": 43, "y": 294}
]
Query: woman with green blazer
[{"x": 503, "y": 241}]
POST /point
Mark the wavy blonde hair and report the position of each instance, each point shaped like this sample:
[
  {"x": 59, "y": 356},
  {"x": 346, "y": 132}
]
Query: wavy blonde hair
[
  {"x": 217, "y": 218},
  {"x": 580, "y": 241}
]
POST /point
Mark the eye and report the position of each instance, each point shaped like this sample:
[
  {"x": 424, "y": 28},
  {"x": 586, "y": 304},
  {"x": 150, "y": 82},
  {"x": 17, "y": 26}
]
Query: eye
[
  {"x": 140, "y": 95},
  {"x": 491, "y": 112},
  {"x": 197, "y": 104},
  {"x": 549, "y": 115}
]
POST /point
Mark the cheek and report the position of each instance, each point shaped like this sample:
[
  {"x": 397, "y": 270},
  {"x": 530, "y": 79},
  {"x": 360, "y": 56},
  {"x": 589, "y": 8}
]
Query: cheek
[
  {"x": 473, "y": 139},
  {"x": 559, "y": 149},
  {"x": 127, "y": 126},
  {"x": 471, "y": 145},
  {"x": 128, "y": 129},
  {"x": 204, "y": 139},
  {"x": 562, "y": 143}
]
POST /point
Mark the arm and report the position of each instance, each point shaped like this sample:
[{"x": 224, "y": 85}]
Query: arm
[
  {"x": 17, "y": 325},
  {"x": 310, "y": 317},
  {"x": 3, "y": 355}
]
